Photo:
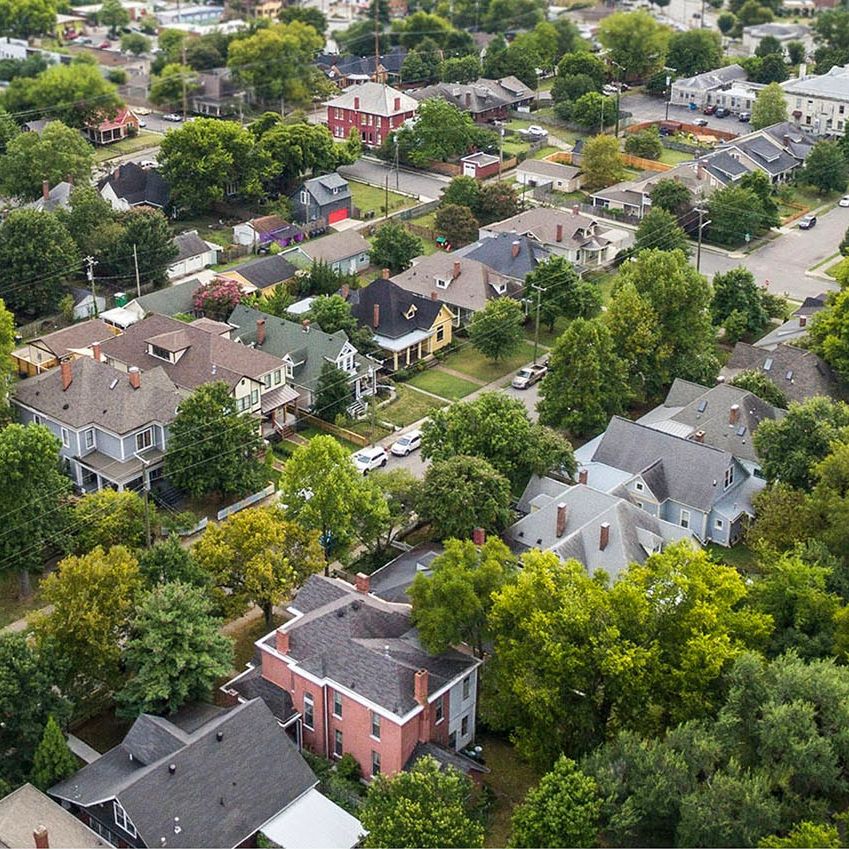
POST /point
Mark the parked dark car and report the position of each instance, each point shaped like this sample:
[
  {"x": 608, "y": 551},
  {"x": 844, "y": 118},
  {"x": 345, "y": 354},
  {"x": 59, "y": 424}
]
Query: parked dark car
[
  {"x": 709, "y": 109},
  {"x": 721, "y": 112}
]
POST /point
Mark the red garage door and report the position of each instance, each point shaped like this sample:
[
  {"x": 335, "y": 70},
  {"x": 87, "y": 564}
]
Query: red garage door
[{"x": 338, "y": 215}]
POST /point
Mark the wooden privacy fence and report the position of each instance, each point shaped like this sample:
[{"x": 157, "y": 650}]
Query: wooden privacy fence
[{"x": 335, "y": 430}]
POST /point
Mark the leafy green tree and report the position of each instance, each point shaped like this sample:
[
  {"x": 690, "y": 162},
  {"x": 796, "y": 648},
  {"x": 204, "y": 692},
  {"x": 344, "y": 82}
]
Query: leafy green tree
[
  {"x": 583, "y": 63},
  {"x": 175, "y": 651},
  {"x": 135, "y": 43},
  {"x": 671, "y": 195},
  {"x": 397, "y": 490},
  {"x": 783, "y": 518},
  {"x": 569, "y": 89},
  {"x": 29, "y": 696},
  {"x": 637, "y": 338},
  {"x": 829, "y": 333},
  {"x": 295, "y": 149},
  {"x": 514, "y": 61},
  {"x": 752, "y": 13},
  {"x": 601, "y": 162},
  {"x": 53, "y": 760},
  {"x": 394, "y": 247},
  {"x": 829, "y": 506},
  {"x": 421, "y": 66},
  {"x": 167, "y": 561},
  {"x": 659, "y": 230},
  {"x": 322, "y": 491},
  {"x": 694, "y": 51},
  {"x": 462, "y": 191},
  {"x": 333, "y": 392},
  {"x": 457, "y": 224},
  {"x": 305, "y": 14},
  {"x": 332, "y": 313},
  {"x": 75, "y": 94},
  {"x": 276, "y": 61},
  {"x": 726, "y": 22},
  {"x": 201, "y": 160},
  {"x": 36, "y": 254},
  {"x": 32, "y": 495},
  {"x": 560, "y": 292},
  {"x": 586, "y": 382},
  {"x": 463, "y": 493},
  {"x": 756, "y": 382},
  {"x": 8, "y": 339},
  {"x": 796, "y": 51},
  {"x": 770, "y": 107},
  {"x": 167, "y": 87},
  {"x": 790, "y": 447},
  {"x": 57, "y": 153},
  {"x": 804, "y": 835},
  {"x": 760, "y": 184},
  {"x": 107, "y": 517},
  {"x": 460, "y": 69},
  {"x": 148, "y": 232},
  {"x": 680, "y": 297},
  {"x": 635, "y": 40},
  {"x": 593, "y": 110},
  {"x": 496, "y": 202},
  {"x": 496, "y": 330},
  {"x": 736, "y": 291},
  {"x": 767, "y": 45},
  {"x": 88, "y": 213},
  {"x": 772, "y": 69},
  {"x": 113, "y": 15},
  {"x": 825, "y": 168},
  {"x": 645, "y": 143},
  {"x": 92, "y": 598},
  {"x": 498, "y": 429},
  {"x": 562, "y": 810},
  {"x": 224, "y": 462},
  {"x": 734, "y": 213},
  {"x": 441, "y": 131},
  {"x": 24, "y": 18},
  {"x": 8, "y": 130},
  {"x": 425, "y": 806},
  {"x": 452, "y": 605}
]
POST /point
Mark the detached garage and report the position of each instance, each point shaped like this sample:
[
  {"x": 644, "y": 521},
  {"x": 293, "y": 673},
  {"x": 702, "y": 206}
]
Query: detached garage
[
  {"x": 480, "y": 165},
  {"x": 327, "y": 197}
]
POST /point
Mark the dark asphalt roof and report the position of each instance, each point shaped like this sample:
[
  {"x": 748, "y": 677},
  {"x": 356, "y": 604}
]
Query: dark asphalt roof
[
  {"x": 266, "y": 271},
  {"x": 138, "y": 185},
  {"x": 396, "y": 317}
]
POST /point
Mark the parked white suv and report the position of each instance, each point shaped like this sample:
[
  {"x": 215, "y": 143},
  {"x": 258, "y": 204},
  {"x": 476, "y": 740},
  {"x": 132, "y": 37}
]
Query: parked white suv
[
  {"x": 407, "y": 443},
  {"x": 367, "y": 459}
]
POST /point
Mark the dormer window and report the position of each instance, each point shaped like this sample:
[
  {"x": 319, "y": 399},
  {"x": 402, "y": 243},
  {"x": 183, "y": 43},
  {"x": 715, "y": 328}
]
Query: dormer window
[
  {"x": 305, "y": 197},
  {"x": 122, "y": 820},
  {"x": 442, "y": 284},
  {"x": 729, "y": 476},
  {"x": 411, "y": 311},
  {"x": 159, "y": 353}
]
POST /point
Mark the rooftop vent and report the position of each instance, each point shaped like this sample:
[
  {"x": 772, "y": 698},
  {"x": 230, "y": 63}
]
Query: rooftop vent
[
  {"x": 702, "y": 406},
  {"x": 172, "y": 768},
  {"x": 219, "y": 736}
]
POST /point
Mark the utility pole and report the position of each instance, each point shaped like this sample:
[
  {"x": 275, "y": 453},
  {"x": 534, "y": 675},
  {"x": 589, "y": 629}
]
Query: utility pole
[
  {"x": 539, "y": 291},
  {"x": 702, "y": 225},
  {"x": 386, "y": 195},
  {"x": 136, "y": 263},
  {"x": 500, "y": 151},
  {"x": 618, "y": 95},
  {"x": 183, "y": 78},
  {"x": 377, "y": 39},
  {"x": 90, "y": 261}
]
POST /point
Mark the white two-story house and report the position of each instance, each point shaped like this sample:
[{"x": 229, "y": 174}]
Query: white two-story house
[
  {"x": 203, "y": 352},
  {"x": 112, "y": 425}
]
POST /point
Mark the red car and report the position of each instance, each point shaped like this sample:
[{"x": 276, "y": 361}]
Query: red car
[
  {"x": 104, "y": 45},
  {"x": 709, "y": 109}
]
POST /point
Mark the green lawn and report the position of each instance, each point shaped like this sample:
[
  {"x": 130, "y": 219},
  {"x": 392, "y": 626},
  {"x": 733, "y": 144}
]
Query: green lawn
[
  {"x": 546, "y": 337},
  {"x": 471, "y": 362},
  {"x": 810, "y": 197},
  {"x": 133, "y": 144},
  {"x": 544, "y": 151},
  {"x": 310, "y": 431},
  {"x": 12, "y": 608},
  {"x": 208, "y": 228},
  {"x": 509, "y": 778},
  {"x": 364, "y": 428},
  {"x": 372, "y": 199},
  {"x": 513, "y": 147},
  {"x": 674, "y": 157},
  {"x": 443, "y": 384},
  {"x": 409, "y": 406},
  {"x": 604, "y": 280},
  {"x": 741, "y": 557}
]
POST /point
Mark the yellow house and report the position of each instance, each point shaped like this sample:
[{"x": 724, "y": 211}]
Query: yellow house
[
  {"x": 406, "y": 327},
  {"x": 45, "y": 352},
  {"x": 268, "y": 9}
]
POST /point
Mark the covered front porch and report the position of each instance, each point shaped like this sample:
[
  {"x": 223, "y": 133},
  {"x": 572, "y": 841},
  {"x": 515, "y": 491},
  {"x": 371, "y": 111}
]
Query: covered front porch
[
  {"x": 279, "y": 410},
  {"x": 406, "y": 350},
  {"x": 98, "y": 471}
]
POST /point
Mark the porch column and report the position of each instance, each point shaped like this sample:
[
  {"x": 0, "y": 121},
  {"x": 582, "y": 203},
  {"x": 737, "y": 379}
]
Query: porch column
[
  {"x": 420, "y": 349},
  {"x": 408, "y": 355},
  {"x": 395, "y": 361}
]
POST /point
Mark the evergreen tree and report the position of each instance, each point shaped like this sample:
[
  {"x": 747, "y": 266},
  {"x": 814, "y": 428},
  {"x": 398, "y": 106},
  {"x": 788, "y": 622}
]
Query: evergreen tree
[{"x": 53, "y": 759}]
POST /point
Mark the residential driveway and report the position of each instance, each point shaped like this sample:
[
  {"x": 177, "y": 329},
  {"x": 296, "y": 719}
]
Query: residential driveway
[
  {"x": 425, "y": 186},
  {"x": 785, "y": 261},
  {"x": 646, "y": 108}
]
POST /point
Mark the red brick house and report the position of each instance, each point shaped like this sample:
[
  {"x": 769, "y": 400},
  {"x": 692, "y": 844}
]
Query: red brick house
[
  {"x": 359, "y": 682},
  {"x": 373, "y": 109}
]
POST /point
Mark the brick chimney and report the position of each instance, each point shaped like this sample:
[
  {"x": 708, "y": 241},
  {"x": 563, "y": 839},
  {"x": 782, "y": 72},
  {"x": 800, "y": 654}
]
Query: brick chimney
[
  {"x": 375, "y": 317},
  {"x": 281, "y": 641},
  {"x": 434, "y": 295},
  {"x": 135, "y": 377},
  {"x": 41, "y": 838},
  {"x": 733, "y": 414},
  {"x": 260, "y": 331},
  {"x": 420, "y": 684},
  {"x": 356, "y": 102},
  {"x": 603, "y": 535},
  {"x": 576, "y": 209},
  {"x": 45, "y": 189},
  {"x": 478, "y": 536},
  {"x": 455, "y": 271},
  {"x": 305, "y": 324},
  {"x": 515, "y": 248},
  {"x": 67, "y": 373},
  {"x": 468, "y": 99},
  {"x": 700, "y": 436},
  {"x": 95, "y": 351},
  {"x": 562, "y": 516},
  {"x": 385, "y": 274},
  {"x": 559, "y": 233},
  {"x": 362, "y": 582},
  {"x": 803, "y": 320},
  {"x": 582, "y": 476}
]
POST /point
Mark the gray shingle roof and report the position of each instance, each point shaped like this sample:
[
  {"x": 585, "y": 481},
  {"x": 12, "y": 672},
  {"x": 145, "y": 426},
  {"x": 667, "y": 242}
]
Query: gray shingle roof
[
  {"x": 75, "y": 338},
  {"x": 368, "y": 646},
  {"x": 265, "y": 271},
  {"x": 497, "y": 253},
  {"x": 207, "y": 356},
  {"x": 101, "y": 395},
  {"x": 712, "y": 79},
  {"x": 138, "y": 185},
  {"x": 692, "y": 472},
  {"x": 189, "y": 245},
  {"x": 374, "y": 98},
  {"x": 474, "y": 98},
  {"x": 336, "y": 246},
  {"x": 396, "y": 319},
  {"x": 251, "y": 685},
  {"x": 540, "y": 223},
  {"x": 321, "y": 188},
  {"x": 809, "y": 376},
  {"x": 555, "y": 170},
  {"x": 222, "y": 790},
  {"x": 392, "y": 581},
  {"x": 171, "y": 299},
  {"x": 633, "y": 534}
]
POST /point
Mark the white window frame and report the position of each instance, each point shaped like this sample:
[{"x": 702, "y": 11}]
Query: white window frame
[
  {"x": 638, "y": 485},
  {"x": 719, "y": 525},
  {"x": 254, "y": 397},
  {"x": 36, "y": 419},
  {"x": 684, "y": 520},
  {"x": 66, "y": 437},
  {"x": 121, "y": 818},
  {"x": 89, "y": 438},
  {"x": 464, "y": 726},
  {"x": 338, "y": 743},
  {"x": 375, "y": 762},
  {"x": 375, "y": 725},
  {"x": 439, "y": 711},
  {"x": 277, "y": 377},
  {"x": 144, "y": 436},
  {"x": 467, "y": 687},
  {"x": 309, "y": 704},
  {"x": 337, "y": 704}
]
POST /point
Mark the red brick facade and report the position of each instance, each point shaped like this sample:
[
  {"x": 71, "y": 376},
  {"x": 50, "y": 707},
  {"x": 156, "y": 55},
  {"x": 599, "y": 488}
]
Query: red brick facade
[{"x": 373, "y": 128}]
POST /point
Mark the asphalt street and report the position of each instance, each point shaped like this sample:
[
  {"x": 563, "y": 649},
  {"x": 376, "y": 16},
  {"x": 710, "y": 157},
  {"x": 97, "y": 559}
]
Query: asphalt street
[{"x": 425, "y": 186}]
